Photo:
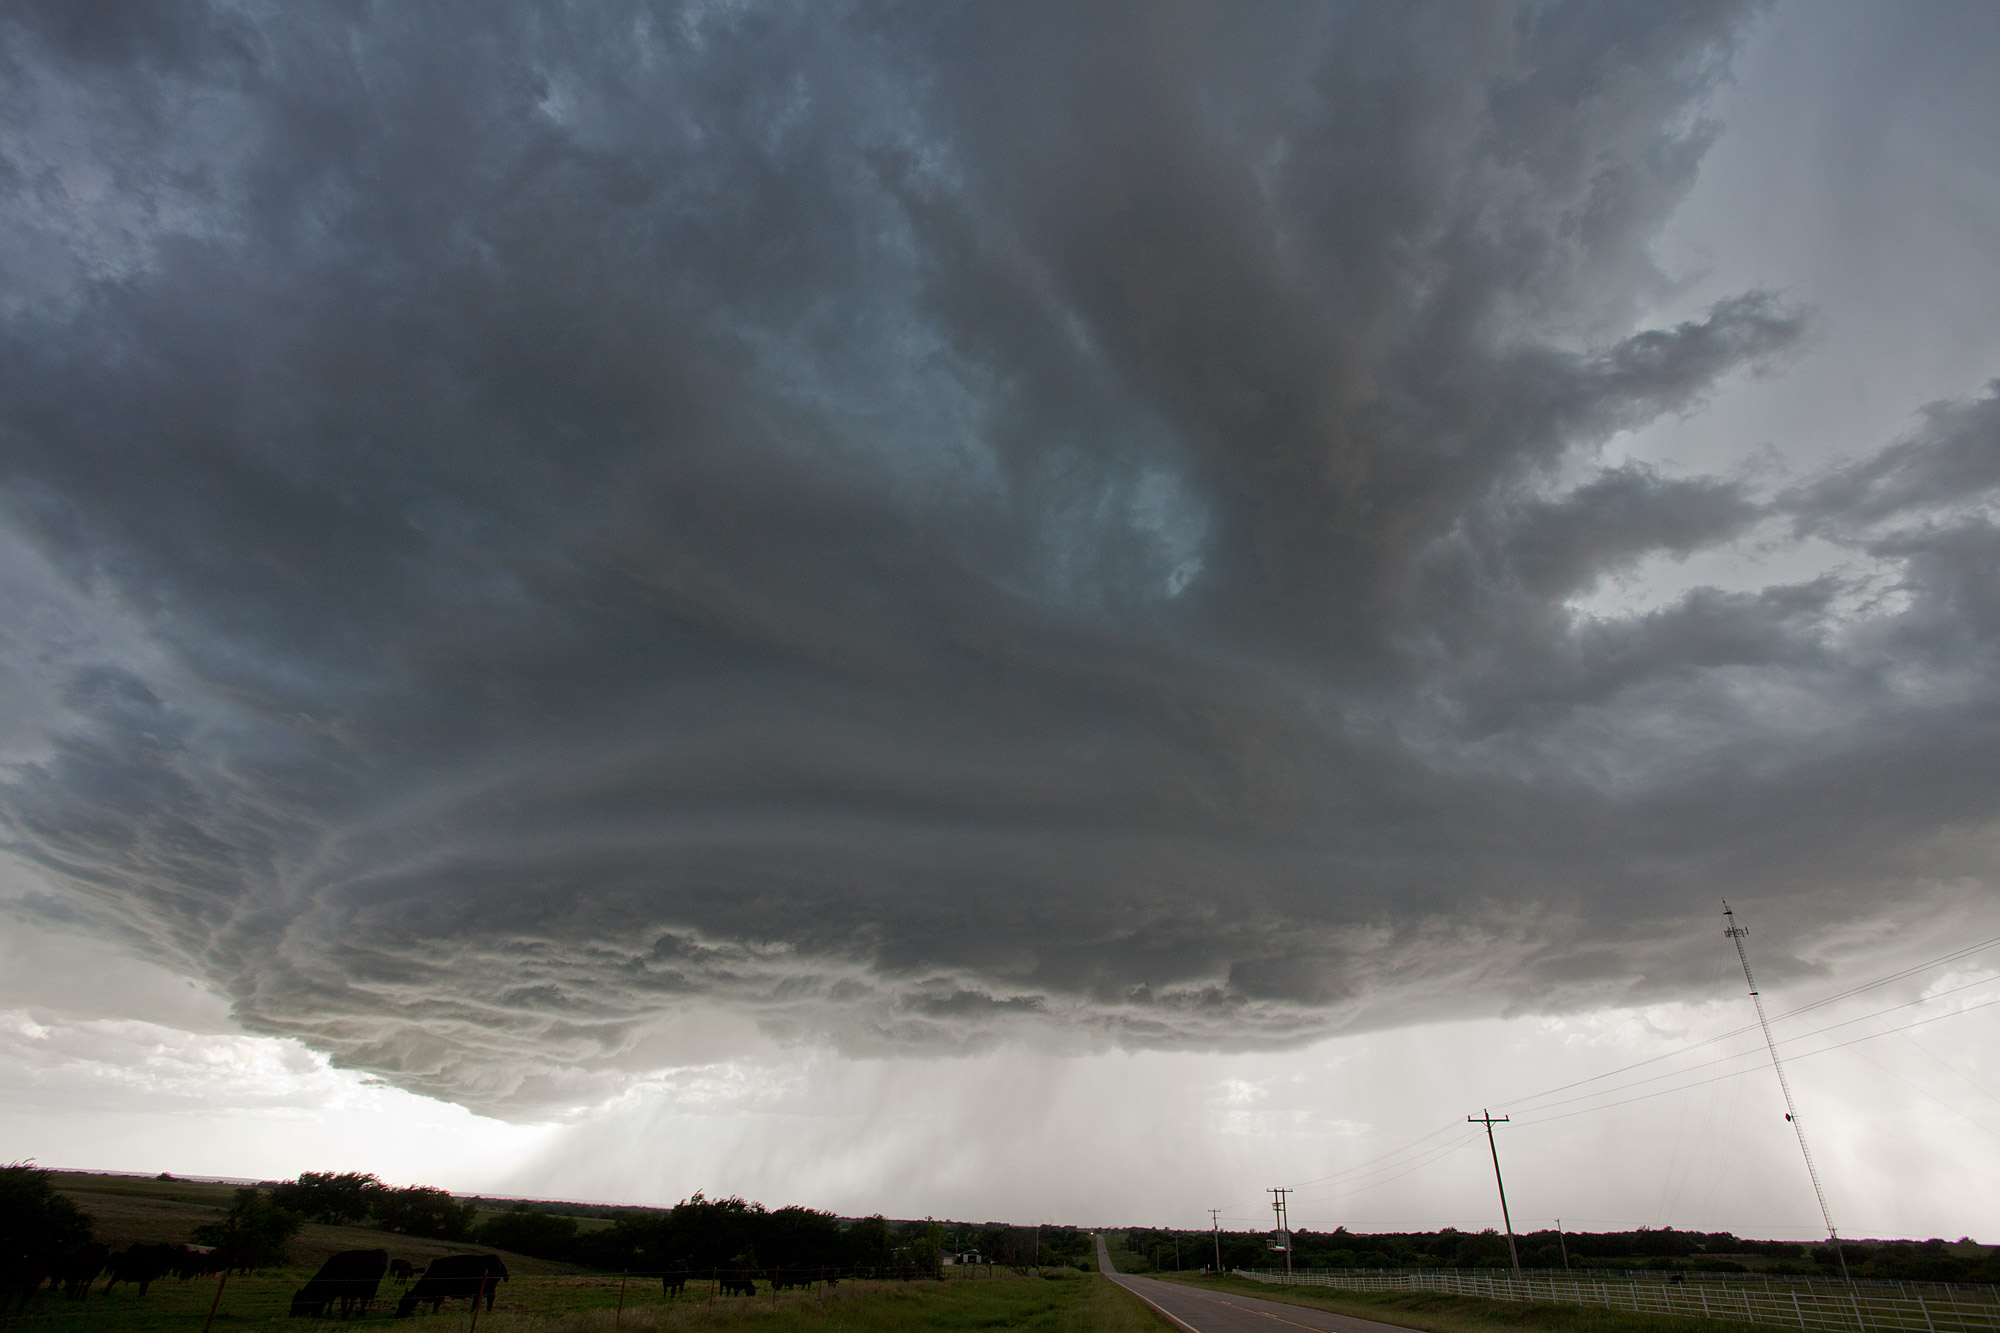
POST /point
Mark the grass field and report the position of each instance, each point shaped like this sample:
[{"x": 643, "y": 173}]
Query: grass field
[
  {"x": 1432, "y": 1312},
  {"x": 1066, "y": 1303}
]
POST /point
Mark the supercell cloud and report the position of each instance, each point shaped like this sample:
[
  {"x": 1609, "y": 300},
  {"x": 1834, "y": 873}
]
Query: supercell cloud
[{"x": 538, "y": 539}]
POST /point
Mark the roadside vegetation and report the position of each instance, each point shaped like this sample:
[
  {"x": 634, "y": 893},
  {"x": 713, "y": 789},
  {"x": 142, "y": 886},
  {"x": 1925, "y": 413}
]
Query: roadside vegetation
[
  {"x": 1436, "y": 1313},
  {"x": 1650, "y": 1249}
]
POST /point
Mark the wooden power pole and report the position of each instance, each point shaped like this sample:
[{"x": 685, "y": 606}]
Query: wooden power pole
[{"x": 1488, "y": 1119}]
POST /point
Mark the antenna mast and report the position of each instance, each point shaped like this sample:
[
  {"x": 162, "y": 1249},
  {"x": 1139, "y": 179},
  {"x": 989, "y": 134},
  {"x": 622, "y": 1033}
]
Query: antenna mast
[{"x": 1736, "y": 934}]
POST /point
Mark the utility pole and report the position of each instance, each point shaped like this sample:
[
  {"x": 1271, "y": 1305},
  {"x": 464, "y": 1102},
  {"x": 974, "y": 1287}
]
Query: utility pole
[
  {"x": 1564, "y": 1242},
  {"x": 1488, "y": 1119},
  {"x": 1284, "y": 1225},
  {"x": 1215, "y": 1225},
  {"x": 1736, "y": 934}
]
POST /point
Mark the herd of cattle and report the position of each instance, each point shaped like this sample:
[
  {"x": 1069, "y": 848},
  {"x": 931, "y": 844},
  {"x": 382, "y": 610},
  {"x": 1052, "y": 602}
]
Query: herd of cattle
[
  {"x": 346, "y": 1284},
  {"x": 350, "y": 1279},
  {"x": 75, "y": 1268}
]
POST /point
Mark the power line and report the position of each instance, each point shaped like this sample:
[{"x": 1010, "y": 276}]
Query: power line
[
  {"x": 1439, "y": 1155},
  {"x": 1850, "y": 992},
  {"x": 1831, "y": 1046},
  {"x": 1233, "y": 1210},
  {"x": 1725, "y": 1059},
  {"x": 1446, "y": 1128}
]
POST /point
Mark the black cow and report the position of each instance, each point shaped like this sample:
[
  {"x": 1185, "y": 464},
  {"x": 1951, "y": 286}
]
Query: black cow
[
  {"x": 674, "y": 1282},
  {"x": 76, "y": 1267},
  {"x": 455, "y": 1275},
  {"x": 739, "y": 1283},
  {"x": 197, "y": 1261},
  {"x": 142, "y": 1264},
  {"x": 783, "y": 1279},
  {"x": 403, "y": 1270},
  {"x": 349, "y": 1277}
]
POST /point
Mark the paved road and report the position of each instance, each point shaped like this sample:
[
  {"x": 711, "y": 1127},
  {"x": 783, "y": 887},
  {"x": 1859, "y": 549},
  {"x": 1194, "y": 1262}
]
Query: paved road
[{"x": 1213, "y": 1312}]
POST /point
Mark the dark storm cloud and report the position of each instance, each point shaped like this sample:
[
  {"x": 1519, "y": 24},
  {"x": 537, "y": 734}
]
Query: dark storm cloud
[{"x": 915, "y": 526}]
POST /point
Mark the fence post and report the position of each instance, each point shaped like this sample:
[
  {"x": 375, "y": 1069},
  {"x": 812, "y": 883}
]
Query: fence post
[{"x": 217, "y": 1301}]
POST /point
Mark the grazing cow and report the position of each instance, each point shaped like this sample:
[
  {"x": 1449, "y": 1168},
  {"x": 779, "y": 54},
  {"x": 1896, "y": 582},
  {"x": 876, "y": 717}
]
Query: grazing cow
[
  {"x": 349, "y": 1277},
  {"x": 674, "y": 1282},
  {"x": 455, "y": 1275},
  {"x": 196, "y": 1261},
  {"x": 783, "y": 1279},
  {"x": 143, "y": 1264},
  {"x": 403, "y": 1270},
  {"x": 739, "y": 1283},
  {"x": 75, "y": 1268}
]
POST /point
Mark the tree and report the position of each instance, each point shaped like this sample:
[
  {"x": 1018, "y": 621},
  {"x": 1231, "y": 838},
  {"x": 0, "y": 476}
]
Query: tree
[
  {"x": 254, "y": 1234},
  {"x": 868, "y": 1242},
  {"x": 924, "y": 1245},
  {"x": 543, "y": 1235},
  {"x": 322, "y": 1196},
  {"x": 424, "y": 1210},
  {"x": 33, "y": 1216}
]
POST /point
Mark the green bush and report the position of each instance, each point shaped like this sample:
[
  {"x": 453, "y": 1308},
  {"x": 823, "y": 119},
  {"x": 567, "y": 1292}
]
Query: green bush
[
  {"x": 255, "y": 1232},
  {"x": 33, "y": 1216}
]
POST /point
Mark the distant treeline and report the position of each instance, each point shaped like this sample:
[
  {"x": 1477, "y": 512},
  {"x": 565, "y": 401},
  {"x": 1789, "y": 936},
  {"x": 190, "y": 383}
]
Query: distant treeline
[
  {"x": 701, "y": 1233},
  {"x": 1665, "y": 1248},
  {"x": 696, "y": 1234}
]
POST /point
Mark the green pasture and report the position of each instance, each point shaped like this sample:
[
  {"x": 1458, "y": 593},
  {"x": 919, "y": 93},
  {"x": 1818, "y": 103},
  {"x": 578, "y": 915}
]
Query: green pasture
[{"x": 1060, "y": 1302}]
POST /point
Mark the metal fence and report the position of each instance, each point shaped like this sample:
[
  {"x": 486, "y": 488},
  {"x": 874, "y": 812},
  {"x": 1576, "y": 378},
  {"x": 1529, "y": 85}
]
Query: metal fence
[{"x": 1815, "y": 1306}]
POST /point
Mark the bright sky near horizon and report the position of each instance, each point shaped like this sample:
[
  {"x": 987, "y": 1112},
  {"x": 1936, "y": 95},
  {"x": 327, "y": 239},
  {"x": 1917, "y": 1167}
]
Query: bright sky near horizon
[{"x": 1054, "y": 620}]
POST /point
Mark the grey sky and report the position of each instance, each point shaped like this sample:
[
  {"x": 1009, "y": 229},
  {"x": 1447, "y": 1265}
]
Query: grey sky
[{"x": 545, "y": 547}]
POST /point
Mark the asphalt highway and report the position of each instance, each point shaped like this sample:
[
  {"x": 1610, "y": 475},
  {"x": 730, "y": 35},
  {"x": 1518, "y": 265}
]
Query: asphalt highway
[{"x": 1198, "y": 1311}]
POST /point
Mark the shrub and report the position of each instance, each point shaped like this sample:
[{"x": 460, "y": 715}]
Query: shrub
[
  {"x": 255, "y": 1232},
  {"x": 33, "y": 1216}
]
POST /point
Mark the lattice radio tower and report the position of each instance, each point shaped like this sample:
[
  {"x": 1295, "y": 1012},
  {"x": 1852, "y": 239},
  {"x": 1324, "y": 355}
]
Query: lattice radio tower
[{"x": 1736, "y": 934}]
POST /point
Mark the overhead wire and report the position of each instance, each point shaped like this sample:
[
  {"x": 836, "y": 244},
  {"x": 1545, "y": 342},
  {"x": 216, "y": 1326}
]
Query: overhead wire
[
  {"x": 1753, "y": 1053},
  {"x": 1358, "y": 1167},
  {"x": 1834, "y": 1046},
  {"x": 1903, "y": 973},
  {"x": 1444, "y": 1150},
  {"x": 1527, "y": 1104}
]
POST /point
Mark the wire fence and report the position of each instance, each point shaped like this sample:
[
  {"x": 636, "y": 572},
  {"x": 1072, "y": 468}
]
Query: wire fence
[{"x": 1815, "y": 1305}]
